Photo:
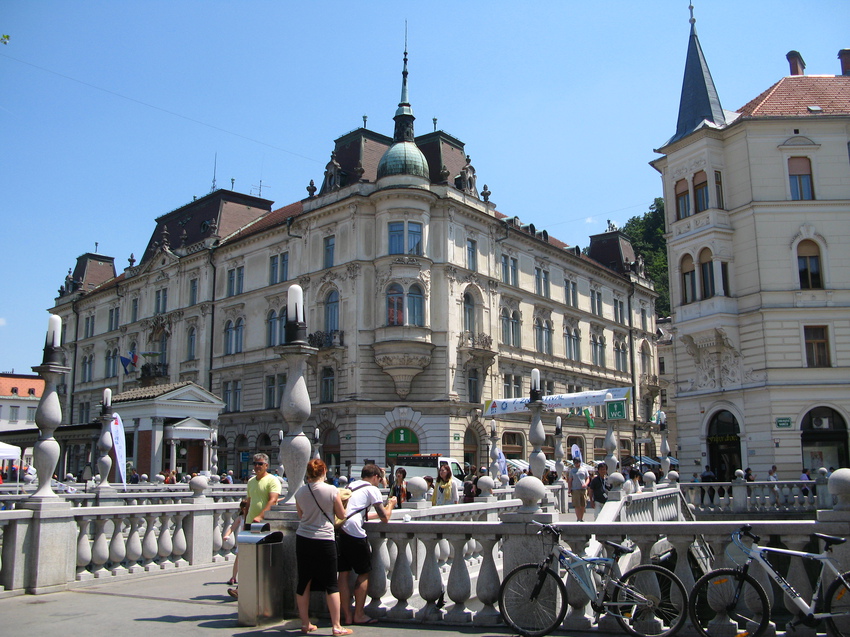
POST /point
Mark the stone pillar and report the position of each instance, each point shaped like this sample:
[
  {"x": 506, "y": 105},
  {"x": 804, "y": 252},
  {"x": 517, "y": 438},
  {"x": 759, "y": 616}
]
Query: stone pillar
[
  {"x": 157, "y": 444},
  {"x": 719, "y": 290},
  {"x": 205, "y": 457},
  {"x": 104, "y": 443},
  {"x": 536, "y": 433}
]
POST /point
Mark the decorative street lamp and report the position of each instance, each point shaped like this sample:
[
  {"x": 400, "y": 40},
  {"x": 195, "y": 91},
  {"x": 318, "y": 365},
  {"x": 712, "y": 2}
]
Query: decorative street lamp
[
  {"x": 295, "y": 407},
  {"x": 104, "y": 443},
  {"x": 559, "y": 449},
  {"x": 48, "y": 414},
  {"x": 536, "y": 434},
  {"x": 661, "y": 419}
]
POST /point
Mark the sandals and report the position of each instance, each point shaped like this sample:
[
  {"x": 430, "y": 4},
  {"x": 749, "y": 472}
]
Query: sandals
[
  {"x": 342, "y": 631},
  {"x": 306, "y": 630},
  {"x": 231, "y": 581}
]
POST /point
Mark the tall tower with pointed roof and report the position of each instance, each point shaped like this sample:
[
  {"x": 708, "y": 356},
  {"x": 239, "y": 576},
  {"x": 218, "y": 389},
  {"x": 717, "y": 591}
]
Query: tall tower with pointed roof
[
  {"x": 404, "y": 156},
  {"x": 756, "y": 209}
]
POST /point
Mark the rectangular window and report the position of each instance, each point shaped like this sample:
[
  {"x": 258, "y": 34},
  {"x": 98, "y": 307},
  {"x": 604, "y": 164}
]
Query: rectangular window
[
  {"x": 414, "y": 238},
  {"x": 550, "y": 388},
  {"x": 134, "y": 310},
  {"x": 644, "y": 320},
  {"x": 274, "y": 265},
  {"x": 701, "y": 191},
  {"x": 661, "y": 366},
  {"x": 506, "y": 269},
  {"x": 271, "y": 392},
  {"x": 472, "y": 255},
  {"x": 538, "y": 281},
  {"x": 193, "y": 292},
  {"x": 330, "y": 244},
  {"x": 507, "y": 386},
  {"x": 817, "y": 346},
  {"x": 327, "y": 386},
  {"x": 31, "y": 414},
  {"x": 800, "y": 176},
  {"x": 472, "y": 385},
  {"x": 284, "y": 268},
  {"x": 160, "y": 301},
  {"x": 718, "y": 188},
  {"x": 663, "y": 397},
  {"x": 596, "y": 302},
  {"x": 689, "y": 286},
  {"x": 547, "y": 292},
  {"x": 517, "y": 386},
  {"x": 707, "y": 272},
  {"x": 571, "y": 293},
  {"x": 514, "y": 272},
  {"x": 683, "y": 202},
  {"x": 13, "y": 413},
  {"x": 396, "y": 237}
]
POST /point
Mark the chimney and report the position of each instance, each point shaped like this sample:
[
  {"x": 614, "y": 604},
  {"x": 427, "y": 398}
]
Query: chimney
[
  {"x": 844, "y": 56},
  {"x": 798, "y": 66}
]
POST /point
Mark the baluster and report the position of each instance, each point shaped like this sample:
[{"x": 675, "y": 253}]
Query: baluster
[
  {"x": 401, "y": 581},
  {"x": 227, "y": 521},
  {"x": 444, "y": 550},
  {"x": 117, "y": 548},
  {"x": 459, "y": 586},
  {"x": 100, "y": 549},
  {"x": 134, "y": 545},
  {"x": 378, "y": 578},
  {"x": 165, "y": 546},
  {"x": 149, "y": 543},
  {"x": 487, "y": 587},
  {"x": 430, "y": 580},
  {"x": 83, "y": 548},
  {"x": 799, "y": 579},
  {"x": 216, "y": 539},
  {"x": 178, "y": 541},
  {"x": 577, "y": 599}
]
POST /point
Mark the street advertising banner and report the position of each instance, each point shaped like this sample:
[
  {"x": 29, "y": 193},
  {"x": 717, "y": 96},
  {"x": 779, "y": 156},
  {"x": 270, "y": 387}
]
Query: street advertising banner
[
  {"x": 496, "y": 408},
  {"x": 119, "y": 446}
]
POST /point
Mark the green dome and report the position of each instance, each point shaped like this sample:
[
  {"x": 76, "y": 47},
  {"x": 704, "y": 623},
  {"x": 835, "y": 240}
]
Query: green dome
[{"x": 403, "y": 158}]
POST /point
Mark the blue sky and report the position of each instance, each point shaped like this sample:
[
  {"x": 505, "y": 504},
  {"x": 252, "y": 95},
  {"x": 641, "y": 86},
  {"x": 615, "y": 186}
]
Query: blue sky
[{"x": 112, "y": 113}]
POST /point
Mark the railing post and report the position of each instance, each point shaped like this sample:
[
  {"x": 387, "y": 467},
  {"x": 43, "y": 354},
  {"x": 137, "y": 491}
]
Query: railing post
[
  {"x": 487, "y": 587},
  {"x": 83, "y": 548},
  {"x": 738, "y": 487},
  {"x": 401, "y": 581},
  {"x": 378, "y": 578},
  {"x": 117, "y": 548},
  {"x": 99, "y": 549},
  {"x": 459, "y": 586},
  {"x": 134, "y": 545},
  {"x": 430, "y": 580}
]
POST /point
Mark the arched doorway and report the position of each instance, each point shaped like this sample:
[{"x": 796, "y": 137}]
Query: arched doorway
[
  {"x": 401, "y": 442},
  {"x": 724, "y": 445},
  {"x": 470, "y": 448},
  {"x": 330, "y": 450},
  {"x": 823, "y": 439}
]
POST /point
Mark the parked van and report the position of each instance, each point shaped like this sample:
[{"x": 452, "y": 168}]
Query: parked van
[{"x": 422, "y": 465}]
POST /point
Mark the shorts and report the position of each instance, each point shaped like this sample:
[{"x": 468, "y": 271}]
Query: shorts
[
  {"x": 355, "y": 554},
  {"x": 316, "y": 565},
  {"x": 579, "y": 497}
]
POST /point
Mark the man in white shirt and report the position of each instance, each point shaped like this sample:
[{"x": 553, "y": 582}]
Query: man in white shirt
[
  {"x": 577, "y": 483},
  {"x": 354, "y": 551}
]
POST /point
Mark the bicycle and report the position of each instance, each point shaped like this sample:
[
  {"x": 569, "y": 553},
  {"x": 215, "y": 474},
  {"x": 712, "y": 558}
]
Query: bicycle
[
  {"x": 648, "y": 601},
  {"x": 730, "y": 601}
]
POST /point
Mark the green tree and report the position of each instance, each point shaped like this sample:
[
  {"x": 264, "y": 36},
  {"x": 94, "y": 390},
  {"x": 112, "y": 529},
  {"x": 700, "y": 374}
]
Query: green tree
[{"x": 647, "y": 234}]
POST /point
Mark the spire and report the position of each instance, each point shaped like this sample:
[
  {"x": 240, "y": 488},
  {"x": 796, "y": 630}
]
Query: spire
[
  {"x": 699, "y": 101},
  {"x": 404, "y": 113}
]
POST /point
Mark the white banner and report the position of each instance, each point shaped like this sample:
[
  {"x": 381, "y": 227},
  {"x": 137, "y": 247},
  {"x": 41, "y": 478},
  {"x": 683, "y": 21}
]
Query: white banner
[
  {"x": 496, "y": 408},
  {"x": 119, "y": 445}
]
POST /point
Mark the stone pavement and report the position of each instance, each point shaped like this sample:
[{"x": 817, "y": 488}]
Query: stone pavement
[{"x": 175, "y": 604}]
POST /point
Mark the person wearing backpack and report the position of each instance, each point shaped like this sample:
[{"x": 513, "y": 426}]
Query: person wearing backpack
[
  {"x": 352, "y": 545},
  {"x": 315, "y": 545}
]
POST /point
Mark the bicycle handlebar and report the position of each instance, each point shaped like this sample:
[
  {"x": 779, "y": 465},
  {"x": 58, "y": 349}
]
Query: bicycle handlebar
[
  {"x": 747, "y": 530},
  {"x": 547, "y": 527}
]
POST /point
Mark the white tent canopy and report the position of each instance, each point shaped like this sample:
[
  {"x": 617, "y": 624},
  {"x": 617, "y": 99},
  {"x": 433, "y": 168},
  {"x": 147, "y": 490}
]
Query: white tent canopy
[{"x": 9, "y": 452}]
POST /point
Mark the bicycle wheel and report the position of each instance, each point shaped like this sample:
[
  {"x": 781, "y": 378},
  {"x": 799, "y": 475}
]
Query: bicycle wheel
[
  {"x": 650, "y": 601},
  {"x": 727, "y": 602},
  {"x": 533, "y": 600},
  {"x": 838, "y": 601}
]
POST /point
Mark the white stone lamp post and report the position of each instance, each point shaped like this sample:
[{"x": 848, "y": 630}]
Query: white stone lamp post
[
  {"x": 104, "y": 443},
  {"x": 317, "y": 444},
  {"x": 495, "y": 469},
  {"x": 661, "y": 419},
  {"x": 536, "y": 434},
  {"x": 559, "y": 449},
  {"x": 610, "y": 439},
  {"x": 48, "y": 415},
  {"x": 295, "y": 407}
]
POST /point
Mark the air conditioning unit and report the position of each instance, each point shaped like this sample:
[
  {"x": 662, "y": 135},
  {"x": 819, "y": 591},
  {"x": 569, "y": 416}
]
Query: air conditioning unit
[{"x": 820, "y": 423}]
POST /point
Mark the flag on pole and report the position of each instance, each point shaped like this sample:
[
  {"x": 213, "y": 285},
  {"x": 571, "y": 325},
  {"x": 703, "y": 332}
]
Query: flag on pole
[{"x": 589, "y": 418}]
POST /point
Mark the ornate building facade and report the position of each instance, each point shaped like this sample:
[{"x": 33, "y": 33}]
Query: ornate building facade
[
  {"x": 757, "y": 205},
  {"x": 421, "y": 298}
]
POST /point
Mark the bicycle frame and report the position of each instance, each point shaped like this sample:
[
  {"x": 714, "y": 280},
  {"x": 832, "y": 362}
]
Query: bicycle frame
[{"x": 756, "y": 553}]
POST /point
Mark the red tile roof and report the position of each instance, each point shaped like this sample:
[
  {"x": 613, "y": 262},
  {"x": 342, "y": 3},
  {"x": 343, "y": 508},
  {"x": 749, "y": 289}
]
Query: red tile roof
[
  {"x": 23, "y": 382},
  {"x": 792, "y": 96},
  {"x": 269, "y": 220}
]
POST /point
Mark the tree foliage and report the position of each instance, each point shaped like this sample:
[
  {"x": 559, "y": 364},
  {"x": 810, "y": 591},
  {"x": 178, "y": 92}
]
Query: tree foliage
[{"x": 647, "y": 234}]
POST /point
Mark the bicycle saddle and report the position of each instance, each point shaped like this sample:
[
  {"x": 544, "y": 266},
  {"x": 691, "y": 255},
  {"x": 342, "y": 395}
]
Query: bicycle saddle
[
  {"x": 829, "y": 540},
  {"x": 619, "y": 549}
]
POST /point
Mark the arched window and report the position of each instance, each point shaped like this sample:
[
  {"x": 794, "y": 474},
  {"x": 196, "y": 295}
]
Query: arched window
[
  {"x": 576, "y": 345},
  {"x": 645, "y": 359},
  {"x": 238, "y": 335},
  {"x": 191, "y": 339},
  {"x": 594, "y": 349},
  {"x": 516, "y": 334},
  {"x": 468, "y": 314},
  {"x": 538, "y": 335},
  {"x": 281, "y": 327},
  {"x": 415, "y": 306},
  {"x": 701, "y": 191},
  {"x": 706, "y": 269},
  {"x": 689, "y": 281},
  {"x": 228, "y": 337},
  {"x": 505, "y": 319},
  {"x": 683, "y": 202},
  {"x": 602, "y": 355},
  {"x": 395, "y": 305},
  {"x": 547, "y": 337},
  {"x": 108, "y": 366},
  {"x": 332, "y": 311},
  {"x": 272, "y": 329},
  {"x": 808, "y": 264}
]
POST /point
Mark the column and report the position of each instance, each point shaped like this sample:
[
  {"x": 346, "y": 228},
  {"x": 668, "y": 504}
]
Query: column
[
  {"x": 157, "y": 440},
  {"x": 719, "y": 290},
  {"x": 205, "y": 457}
]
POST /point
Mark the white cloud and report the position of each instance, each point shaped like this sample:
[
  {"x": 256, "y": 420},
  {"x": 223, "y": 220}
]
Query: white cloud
[
  {"x": 2, "y": 322},
  {"x": 590, "y": 220}
]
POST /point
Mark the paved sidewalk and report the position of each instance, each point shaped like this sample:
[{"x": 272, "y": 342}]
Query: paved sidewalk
[{"x": 174, "y": 604}]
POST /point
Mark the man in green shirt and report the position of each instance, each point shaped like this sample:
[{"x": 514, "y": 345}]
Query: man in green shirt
[{"x": 263, "y": 489}]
